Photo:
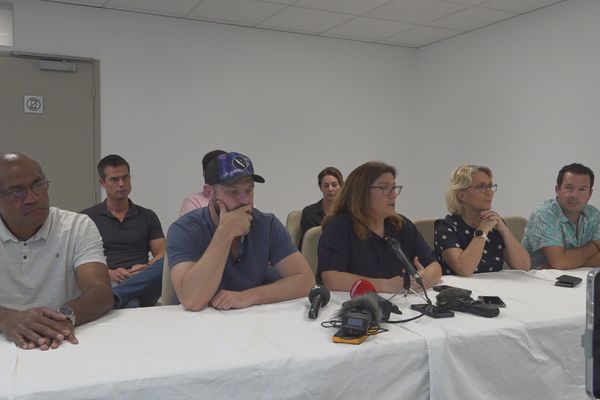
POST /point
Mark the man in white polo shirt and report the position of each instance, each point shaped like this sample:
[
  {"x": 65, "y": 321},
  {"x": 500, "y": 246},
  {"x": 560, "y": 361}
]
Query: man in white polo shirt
[{"x": 53, "y": 273}]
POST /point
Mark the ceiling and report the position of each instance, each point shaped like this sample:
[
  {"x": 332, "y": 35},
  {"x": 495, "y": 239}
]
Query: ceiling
[{"x": 407, "y": 23}]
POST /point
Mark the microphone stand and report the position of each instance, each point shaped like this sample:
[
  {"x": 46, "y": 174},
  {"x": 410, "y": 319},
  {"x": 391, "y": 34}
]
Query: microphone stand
[
  {"x": 408, "y": 289},
  {"x": 408, "y": 269}
]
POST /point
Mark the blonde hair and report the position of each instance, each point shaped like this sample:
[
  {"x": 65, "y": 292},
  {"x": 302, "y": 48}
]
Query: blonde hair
[
  {"x": 354, "y": 198},
  {"x": 461, "y": 179}
]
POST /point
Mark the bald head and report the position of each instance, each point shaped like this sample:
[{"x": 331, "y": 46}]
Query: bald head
[
  {"x": 12, "y": 160},
  {"x": 24, "y": 203}
]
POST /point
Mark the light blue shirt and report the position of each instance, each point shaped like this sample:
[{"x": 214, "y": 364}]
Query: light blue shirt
[
  {"x": 549, "y": 226},
  {"x": 267, "y": 243}
]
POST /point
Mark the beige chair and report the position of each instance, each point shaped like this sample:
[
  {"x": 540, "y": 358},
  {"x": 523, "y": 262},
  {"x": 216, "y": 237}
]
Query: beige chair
[
  {"x": 292, "y": 224},
  {"x": 425, "y": 228},
  {"x": 516, "y": 225},
  {"x": 310, "y": 246},
  {"x": 168, "y": 292}
]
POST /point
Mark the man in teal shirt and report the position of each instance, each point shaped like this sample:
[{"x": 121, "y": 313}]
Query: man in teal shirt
[{"x": 564, "y": 232}]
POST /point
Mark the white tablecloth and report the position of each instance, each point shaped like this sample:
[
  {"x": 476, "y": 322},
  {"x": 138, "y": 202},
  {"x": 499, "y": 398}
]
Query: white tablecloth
[
  {"x": 265, "y": 352},
  {"x": 531, "y": 351}
]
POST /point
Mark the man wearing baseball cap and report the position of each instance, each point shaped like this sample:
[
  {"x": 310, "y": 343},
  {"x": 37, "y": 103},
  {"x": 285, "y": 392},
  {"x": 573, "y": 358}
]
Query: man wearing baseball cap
[{"x": 220, "y": 255}]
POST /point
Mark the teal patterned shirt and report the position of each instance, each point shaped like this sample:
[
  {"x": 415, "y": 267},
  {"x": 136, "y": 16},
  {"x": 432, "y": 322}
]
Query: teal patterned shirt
[{"x": 549, "y": 226}]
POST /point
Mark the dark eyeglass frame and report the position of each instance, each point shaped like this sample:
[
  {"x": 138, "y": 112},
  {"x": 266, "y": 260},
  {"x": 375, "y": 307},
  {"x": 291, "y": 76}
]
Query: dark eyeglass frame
[
  {"x": 20, "y": 192},
  {"x": 387, "y": 190}
]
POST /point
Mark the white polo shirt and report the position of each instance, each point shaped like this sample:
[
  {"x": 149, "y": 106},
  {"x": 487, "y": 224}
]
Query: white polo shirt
[{"x": 40, "y": 272}]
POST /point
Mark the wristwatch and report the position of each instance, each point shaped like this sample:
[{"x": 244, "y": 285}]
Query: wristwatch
[
  {"x": 480, "y": 233},
  {"x": 68, "y": 312}
]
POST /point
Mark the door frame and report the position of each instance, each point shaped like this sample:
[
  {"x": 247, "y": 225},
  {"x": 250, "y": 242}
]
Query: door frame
[{"x": 95, "y": 98}]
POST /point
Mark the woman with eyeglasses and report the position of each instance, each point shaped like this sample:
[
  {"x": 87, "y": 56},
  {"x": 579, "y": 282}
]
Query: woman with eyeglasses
[
  {"x": 474, "y": 238},
  {"x": 330, "y": 182},
  {"x": 353, "y": 244}
]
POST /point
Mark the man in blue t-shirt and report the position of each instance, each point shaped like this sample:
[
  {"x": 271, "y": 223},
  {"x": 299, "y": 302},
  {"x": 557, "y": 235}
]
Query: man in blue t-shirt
[
  {"x": 223, "y": 254},
  {"x": 564, "y": 232}
]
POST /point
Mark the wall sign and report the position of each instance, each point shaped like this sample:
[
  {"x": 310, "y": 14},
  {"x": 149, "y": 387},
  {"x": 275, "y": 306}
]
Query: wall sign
[{"x": 33, "y": 104}]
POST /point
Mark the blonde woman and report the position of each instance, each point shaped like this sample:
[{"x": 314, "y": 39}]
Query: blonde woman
[{"x": 474, "y": 238}]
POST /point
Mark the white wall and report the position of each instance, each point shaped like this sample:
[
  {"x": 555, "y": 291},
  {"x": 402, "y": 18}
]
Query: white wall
[
  {"x": 173, "y": 89},
  {"x": 520, "y": 96}
]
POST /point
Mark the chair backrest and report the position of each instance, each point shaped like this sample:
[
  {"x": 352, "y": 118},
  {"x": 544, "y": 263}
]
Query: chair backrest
[
  {"x": 425, "y": 228},
  {"x": 292, "y": 224},
  {"x": 168, "y": 292},
  {"x": 516, "y": 225},
  {"x": 310, "y": 246}
]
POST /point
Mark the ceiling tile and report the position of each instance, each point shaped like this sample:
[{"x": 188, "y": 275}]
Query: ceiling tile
[
  {"x": 469, "y": 2},
  {"x": 416, "y": 11},
  {"x": 288, "y": 2},
  {"x": 369, "y": 28},
  {"x": 99, "y": 3},
  {"x": 381, "y": 21},
  {"x": 472, "y": 18},
  {"x": 355, "y": 7},
  {"x": 519, "y": 6},
  {"x": 247, "y": 12},
  {"x": 179, "y": 7},
  {"x": 421, "y": 35},
  {"x": 305, "y": 20}
]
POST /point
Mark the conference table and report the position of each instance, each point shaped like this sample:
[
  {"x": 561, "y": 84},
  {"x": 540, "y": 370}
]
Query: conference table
[{"x": 532, "y": 350}]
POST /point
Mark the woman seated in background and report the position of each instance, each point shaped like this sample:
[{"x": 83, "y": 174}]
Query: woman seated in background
[
  {"x": 473, "y": 237},
  {"x": 330, "y": 182},
  {"x": 353, "y": 244}
]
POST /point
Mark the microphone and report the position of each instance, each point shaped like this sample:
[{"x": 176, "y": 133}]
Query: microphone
[
  {"x": 367, "y": 304},
  {"x": 397, "y": 249},
  {"x": 241, "y": 249},
  {"x": 360, "y": 287},
  {"x": 363, "y": 288},
  {"x": 318, "y": 296},
  {"x": 459, "y": 300}
]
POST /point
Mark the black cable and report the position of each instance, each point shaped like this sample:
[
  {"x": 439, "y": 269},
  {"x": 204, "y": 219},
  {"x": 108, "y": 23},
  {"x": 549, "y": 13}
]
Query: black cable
[{"x": 405, "y": 320}]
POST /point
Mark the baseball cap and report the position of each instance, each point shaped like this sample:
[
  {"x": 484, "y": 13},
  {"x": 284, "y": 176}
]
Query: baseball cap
[{"x": 227, "y": 169}]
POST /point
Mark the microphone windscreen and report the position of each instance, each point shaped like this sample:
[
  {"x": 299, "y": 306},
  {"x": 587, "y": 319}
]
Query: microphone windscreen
[
  {"x": 366, "y": 303},
  {"x": 361, "y": 287},
  {"x": 451, "y": 296},
  {"x": 319, "y": 290}
]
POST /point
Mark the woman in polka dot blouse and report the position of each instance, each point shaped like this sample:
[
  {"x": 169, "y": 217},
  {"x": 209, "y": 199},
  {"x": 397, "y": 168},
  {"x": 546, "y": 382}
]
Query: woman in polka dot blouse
[{"x": 474, "y": 238}]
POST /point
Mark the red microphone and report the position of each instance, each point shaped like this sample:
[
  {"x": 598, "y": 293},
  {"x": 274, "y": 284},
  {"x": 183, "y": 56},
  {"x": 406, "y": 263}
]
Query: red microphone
[{"x": 361, "y": 287}]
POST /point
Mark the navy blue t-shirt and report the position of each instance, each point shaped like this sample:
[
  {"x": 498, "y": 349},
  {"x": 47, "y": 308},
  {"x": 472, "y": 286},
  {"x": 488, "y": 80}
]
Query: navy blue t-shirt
[
  {"x": 126, "y": 243},
  {"x": 267, "y": 243},
  {"x": 341, "y": 250}
]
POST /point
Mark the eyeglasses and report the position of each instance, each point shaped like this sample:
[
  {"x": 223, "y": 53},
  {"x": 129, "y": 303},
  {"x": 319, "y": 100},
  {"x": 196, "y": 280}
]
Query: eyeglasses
[
  {"x": 483, "y": 188},
  {"x": 387, "y": 190},
  {"x": 20, "y": 192}
]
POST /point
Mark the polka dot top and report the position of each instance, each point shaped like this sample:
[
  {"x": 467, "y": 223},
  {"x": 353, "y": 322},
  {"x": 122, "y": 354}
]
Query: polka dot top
[{"x": 453, "y": 232}]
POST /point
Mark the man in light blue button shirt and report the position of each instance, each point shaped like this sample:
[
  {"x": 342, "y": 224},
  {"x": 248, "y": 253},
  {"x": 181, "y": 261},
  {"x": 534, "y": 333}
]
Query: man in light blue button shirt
[{"x": 564, "y": 232}]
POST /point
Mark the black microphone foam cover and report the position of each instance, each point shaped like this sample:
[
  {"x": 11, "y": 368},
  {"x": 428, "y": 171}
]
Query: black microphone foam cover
[
  {"x": 452, "y": 295},
  {"x": 366, "y": 303},
  {"x": 319, "y": 290},
  {"x": 455, "y": 299}
]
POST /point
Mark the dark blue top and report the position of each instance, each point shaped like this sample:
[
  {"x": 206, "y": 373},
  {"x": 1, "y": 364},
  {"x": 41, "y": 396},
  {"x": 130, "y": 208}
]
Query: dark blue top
[
  {"x": 341, "y": 250},
  {"x": 267, "y": 243},
  {"x": 312, "y": 216},
  {"x": 453, "y": 232},
  {"x": 126, "y": 243}
]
